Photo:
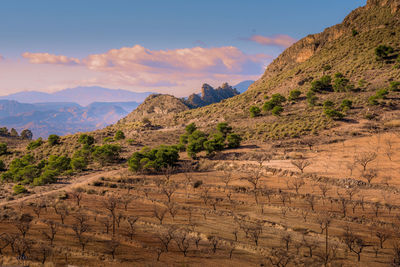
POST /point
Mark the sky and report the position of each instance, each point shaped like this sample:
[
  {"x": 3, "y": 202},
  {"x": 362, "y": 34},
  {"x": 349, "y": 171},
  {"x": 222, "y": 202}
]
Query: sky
[{"x": 155, "y": 45}]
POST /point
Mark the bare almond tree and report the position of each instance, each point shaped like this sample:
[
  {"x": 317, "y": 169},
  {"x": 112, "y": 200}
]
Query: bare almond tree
[
  {"x": 382, "y": 236},
  {"x": 45, "y": 251},
  {"x": 168, "y": 190},
  {"x": 182, "y": 240},
  {"x": 280, "y": 257},
  {"x": 37, "y": 207},
  {"x": 131, "y": 220},
  {"x": 369, "y": 175},
  {"x": 111, "y": 247},
  {"x": 214, "y": 242},
  {"x": 286, "y": 239},
  {"x": 61, "y": 210},
  {"x": 77, "y": 194},
  {"x": 296, "y": 184},
  {"x": 23, "y": 223},
  {"x": 52, "y": 231},
  {"x": 160, "y": 213},
  {"x": 301, "y": 164},
  {"x": 309, "y": 243},
  {"x": 165, "y": 237},
  {"x": 126, "y": 199},
  {"x": 111, "y": 204},
  {"x": 365, "y": 158},
  {"x": 173, "y": 209},
  {"x": 324, "y": 187}
]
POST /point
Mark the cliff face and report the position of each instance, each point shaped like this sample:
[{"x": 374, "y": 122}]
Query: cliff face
[{"x": 209, "y": 95}]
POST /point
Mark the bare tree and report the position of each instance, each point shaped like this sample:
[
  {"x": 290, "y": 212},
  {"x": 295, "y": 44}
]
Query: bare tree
[
  {"x": 159, "y": 251},
  {"x": 173, "y": 209},
  {"x": 296, "y": 184},
  {"x": 182, "y": 240},
  {"x": 382, "y": 236},
  {"x": 279, "y": 257},
  {"x": 369, "y": 175},
  {"x": 37, "y": 207},
  {"x": 52, "y": 231},
  {"x": 214, "y": 242},
  {"x": 61, "y": 210},
  {"x": 310, "y": 199},
  {"x": 205, "y": 195},
  {"x": 227, "y": 178},
  {"x": 168, "y": 171},
  {"x": 168, "y": 190},
  {"x": 286, "y": 239},
  {"x": 165, "y": 237},
  {"x": 4, "y": 242},
  {"x": 304, "y": 214},
  {"x": 365, "y": 158},
  {"x": 324, "y": 187},
  {"x": 23, "y": 224},
  {"x": 131, "y": 220},
  {"x": 354, "y": 243},
  {"x": 214, "y": 201},
  {"x": 126, "y": 199},
  {"x": 107, "y": 222},
  {"x": 309, "y": 243},
  {"x": 77, "y": 194},
  {"x": 159, "y": 213},
  {"x": 301, "y": 164},
  {"x": 45, "y": 251},
  {"x": 376, "y": 206},
  {"x": 111, "y": 204},
  {"x": 255, "y": 232},
  {"x": 111, "y": 247}
]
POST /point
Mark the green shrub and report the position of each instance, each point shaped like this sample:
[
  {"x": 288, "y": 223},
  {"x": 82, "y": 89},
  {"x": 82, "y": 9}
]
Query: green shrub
[
  {"x": 328, "y": 104},
  {"x": 394, "y": 86},
  {"x": 35, "y": 144},
  {"x": 106, "y": 154},
  {"x": 311, "y": 98},
  {"x": 190, "y": 128},
  {"x": 108, "y": 139},
  {"x": 2, "y": 166},
  {"x": 254, "y": 111},
  {"x": 294, "y": 95},
  {"x": 383, "y": 51},
  {"x": 217, "y": 143},
  {"x": 86, "y": 139},
  {"x": 334, "y": 114},
  {"x": 78, "y": 163},
  {"x": 119, "y": 135},
  {"x": 326, "y": 67},
  {"x": 19, "y": 189},
  {"x": 373, "y": 100},
  {"x": 276, "y": 100},
  {"x": 53, "y": 139},
  {"x": 382, "y": 93},
  {"x": 131, "y": 142},
  {"x": 196, "y": 143},
  {"x": 224, "y": 128},
  {"x": 59, "y": 164},
  {"x": 277, "y": 110},
  {"x": 47, "y": 177},
  {"x": 155, "y": 159},
  {"x": 346, "y": 104},
  {"x": 354, "y": 32},
  {"x": 26, "y": 134},
  {"x": 341, "y": 84},
  {"x": 197, "y": 184},
  {"x": 323, "y": 84},
  {"x": 233, "y": 140},
  {"x": 3, "y": 149}
]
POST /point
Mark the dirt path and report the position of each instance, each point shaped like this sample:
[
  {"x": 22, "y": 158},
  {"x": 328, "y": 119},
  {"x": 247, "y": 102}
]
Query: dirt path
[{"x": 81, "y": 181}]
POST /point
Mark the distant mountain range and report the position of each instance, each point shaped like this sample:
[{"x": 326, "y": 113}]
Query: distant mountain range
[
  {"x": 243, "y": 86},
  {"x": 81, "y": 109},
  {"x": 80, "y": 95},
  {"x": 44, "y": 119}
]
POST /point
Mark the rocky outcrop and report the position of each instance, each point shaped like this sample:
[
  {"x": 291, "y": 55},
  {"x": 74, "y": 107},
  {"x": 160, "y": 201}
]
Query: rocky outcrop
[
  {"x": 156, "y": 106},
  {"x": 209, "y": 95},
  {"x": 394, "y": 4}
]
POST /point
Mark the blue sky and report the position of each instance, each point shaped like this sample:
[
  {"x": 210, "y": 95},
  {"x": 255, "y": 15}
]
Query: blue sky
[{"x": 78, "y": 29}]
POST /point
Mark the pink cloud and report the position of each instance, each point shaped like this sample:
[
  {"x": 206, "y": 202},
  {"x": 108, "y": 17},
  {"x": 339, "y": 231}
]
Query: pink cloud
[
  {"x": 279, "y": 40},
  {"x": 175, "y": 71},
  {"x": 46, "y": 58},
  {"x": 1, "y": 58}
]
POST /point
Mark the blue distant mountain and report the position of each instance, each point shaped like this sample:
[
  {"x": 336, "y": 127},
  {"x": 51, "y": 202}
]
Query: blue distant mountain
[
  {"x": 243, "y": 86},
  {"x": 80, "y": 95}
]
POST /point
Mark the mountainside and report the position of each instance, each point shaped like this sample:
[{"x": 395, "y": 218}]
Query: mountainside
[
  {"x": 210, "y": 95},
  {"x": 81, "y": 95},
  {"x": 61, "y": 118},
  {"x": 347, "y": 53}
]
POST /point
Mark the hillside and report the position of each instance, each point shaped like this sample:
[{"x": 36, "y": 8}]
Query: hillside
[{"x": 347, "y": 48}]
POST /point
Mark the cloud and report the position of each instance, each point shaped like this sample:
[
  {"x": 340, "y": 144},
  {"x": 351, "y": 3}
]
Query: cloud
[
  {"x": 1, "y": 58},
  {"x": 278, "y": 40},
  {"x": 46, "y": 58},
  {"x": 165, "y": 70}
]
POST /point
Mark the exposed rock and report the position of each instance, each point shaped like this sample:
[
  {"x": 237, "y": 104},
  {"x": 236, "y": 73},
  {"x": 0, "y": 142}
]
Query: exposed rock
[{"x": 210, "y": 95}]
